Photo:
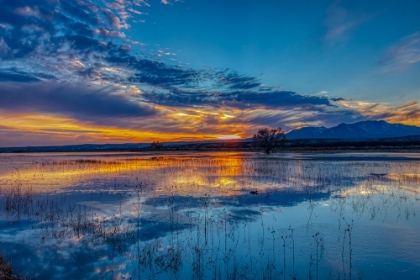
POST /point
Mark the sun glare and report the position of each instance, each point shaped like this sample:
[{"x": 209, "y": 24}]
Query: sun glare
[{"x": 229, "y": 137}]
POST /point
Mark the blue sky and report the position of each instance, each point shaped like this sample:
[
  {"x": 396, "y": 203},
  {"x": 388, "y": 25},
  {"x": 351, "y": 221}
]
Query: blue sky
[
  {"x": 96, "y": 71},
  {"x": 304, "y": 46}
]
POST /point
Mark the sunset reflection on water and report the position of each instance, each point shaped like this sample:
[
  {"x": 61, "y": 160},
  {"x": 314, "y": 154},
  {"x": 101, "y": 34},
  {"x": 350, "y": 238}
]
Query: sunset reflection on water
[
  {"x": 139, "y": 212},
  {"x": 195, "y": 177}
]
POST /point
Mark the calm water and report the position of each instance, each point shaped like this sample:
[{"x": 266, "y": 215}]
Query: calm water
[{"x": 211, "y": 216}]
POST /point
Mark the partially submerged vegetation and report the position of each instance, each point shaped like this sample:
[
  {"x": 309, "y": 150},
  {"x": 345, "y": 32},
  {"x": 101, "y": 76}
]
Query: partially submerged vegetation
[
  {"x": 194, "y": 226},
  {"x": 6, "y": 270}
]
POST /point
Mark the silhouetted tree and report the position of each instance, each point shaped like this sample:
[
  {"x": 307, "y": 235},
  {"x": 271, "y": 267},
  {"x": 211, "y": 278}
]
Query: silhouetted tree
[
  {"x": 269, "y": 138},
  {"x": 157, "y": 145}
]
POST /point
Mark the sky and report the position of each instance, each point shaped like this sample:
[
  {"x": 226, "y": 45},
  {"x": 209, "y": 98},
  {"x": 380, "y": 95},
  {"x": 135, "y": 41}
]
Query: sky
[{"x": 124, "y": 71}]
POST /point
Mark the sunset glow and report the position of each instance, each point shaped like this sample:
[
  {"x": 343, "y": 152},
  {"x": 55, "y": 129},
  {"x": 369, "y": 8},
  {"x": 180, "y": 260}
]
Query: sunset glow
[{"x": 75, "y": 72}]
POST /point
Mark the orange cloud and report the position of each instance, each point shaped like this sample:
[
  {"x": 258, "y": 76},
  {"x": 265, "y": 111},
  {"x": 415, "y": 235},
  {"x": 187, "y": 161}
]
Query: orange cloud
[
  {"x": 408, "y": 113},
  {"x": 45, "y": 129}
]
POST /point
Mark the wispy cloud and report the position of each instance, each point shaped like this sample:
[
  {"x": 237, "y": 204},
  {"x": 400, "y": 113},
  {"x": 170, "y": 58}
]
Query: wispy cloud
[
  {"x": 12, "y": 76},
  {"x": 336, "y": 22},
  {"x": 75, "y": 62},
  {"x": 403, "y": 54},
  {"x": 340, "y": 22},
  {"x": 408, "y": 113}
]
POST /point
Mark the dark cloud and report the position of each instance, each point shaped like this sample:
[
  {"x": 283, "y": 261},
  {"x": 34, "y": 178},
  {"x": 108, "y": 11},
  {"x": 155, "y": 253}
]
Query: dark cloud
[
  {"x": 14, "y": 75},
  {"x": 24, "y": 24},
  {"x": 236, "y": 81},
  {"x": 83, "y": 41},
  {"x": 275, "y": 99},
  {"x": 45, "y": 26},
  {"x": 69, "y": 100},
  {"x": 82, "y": 29},
  {"x": 91, "y": 73},
  {"x": 83, "y": 26},
  {"x": 157, "y": 73},
  {"x": 80, "y": 12},
  {"x": 235, "y": 99}
]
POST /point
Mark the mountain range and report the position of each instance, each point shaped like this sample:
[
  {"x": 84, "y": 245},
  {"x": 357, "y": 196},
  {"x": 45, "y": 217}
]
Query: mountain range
[
  {"x": 372, "y": 130},
  {"x": 359, "y": 130}
]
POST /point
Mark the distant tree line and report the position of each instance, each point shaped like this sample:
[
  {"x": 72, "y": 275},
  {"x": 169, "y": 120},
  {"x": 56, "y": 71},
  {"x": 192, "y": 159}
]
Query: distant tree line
[
  {"x": 266, "y": 138},
  {"x": 156, "y": 145}
]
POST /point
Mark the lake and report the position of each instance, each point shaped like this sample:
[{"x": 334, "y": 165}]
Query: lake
[{"x": 211, "y": 215}]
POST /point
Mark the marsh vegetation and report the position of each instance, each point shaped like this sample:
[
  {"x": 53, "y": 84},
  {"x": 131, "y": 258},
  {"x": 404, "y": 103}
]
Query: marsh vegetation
[{"x": 210, "y": 216}]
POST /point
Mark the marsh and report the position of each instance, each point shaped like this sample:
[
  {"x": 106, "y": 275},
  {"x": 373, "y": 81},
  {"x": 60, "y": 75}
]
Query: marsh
[{"x": 211, "y": 215}]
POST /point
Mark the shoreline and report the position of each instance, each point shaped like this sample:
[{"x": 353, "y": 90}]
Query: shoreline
[
  {"x": 389, "y": 145},
  {"x": 338, "y": 150}
]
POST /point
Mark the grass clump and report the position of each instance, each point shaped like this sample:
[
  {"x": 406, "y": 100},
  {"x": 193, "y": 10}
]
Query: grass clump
[{"x": 6, "y": 270}]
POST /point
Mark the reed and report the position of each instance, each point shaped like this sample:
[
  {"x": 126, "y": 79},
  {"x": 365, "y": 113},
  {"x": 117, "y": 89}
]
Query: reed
[{"x": 212, "y": 226}]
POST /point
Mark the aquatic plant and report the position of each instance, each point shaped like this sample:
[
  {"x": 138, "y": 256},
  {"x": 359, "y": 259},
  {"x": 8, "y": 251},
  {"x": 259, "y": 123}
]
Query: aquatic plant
[{"x": 196, "y": 217}]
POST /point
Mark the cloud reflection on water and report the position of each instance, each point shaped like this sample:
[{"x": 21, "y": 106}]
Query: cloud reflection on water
[{"x": 137, "y": 205}]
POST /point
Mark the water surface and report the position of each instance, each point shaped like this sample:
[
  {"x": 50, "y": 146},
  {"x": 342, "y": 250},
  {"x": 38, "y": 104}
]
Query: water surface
[{"x": 211, "y": 215}]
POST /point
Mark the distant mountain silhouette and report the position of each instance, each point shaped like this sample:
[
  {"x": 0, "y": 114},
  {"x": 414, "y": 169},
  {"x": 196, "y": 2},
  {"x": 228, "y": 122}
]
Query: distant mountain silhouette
[{"x": 359, "y": 130}]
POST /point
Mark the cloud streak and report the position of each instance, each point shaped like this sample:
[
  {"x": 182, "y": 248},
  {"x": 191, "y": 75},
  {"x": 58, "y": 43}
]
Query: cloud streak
[
  {"x": 402, "y": 55},
  {"x": 408, "y": 113},
  {"x": 341, "y": 21},
  {"x": 235, "y": 99},
  {"x": 70, "y": 100},
  {"x": 75, "y": 61}
]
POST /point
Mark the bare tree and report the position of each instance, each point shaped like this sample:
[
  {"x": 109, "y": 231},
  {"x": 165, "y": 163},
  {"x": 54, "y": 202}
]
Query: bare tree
[
  {"x": 157, "y": 145},
  {"x": 269, "y": 138}
]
